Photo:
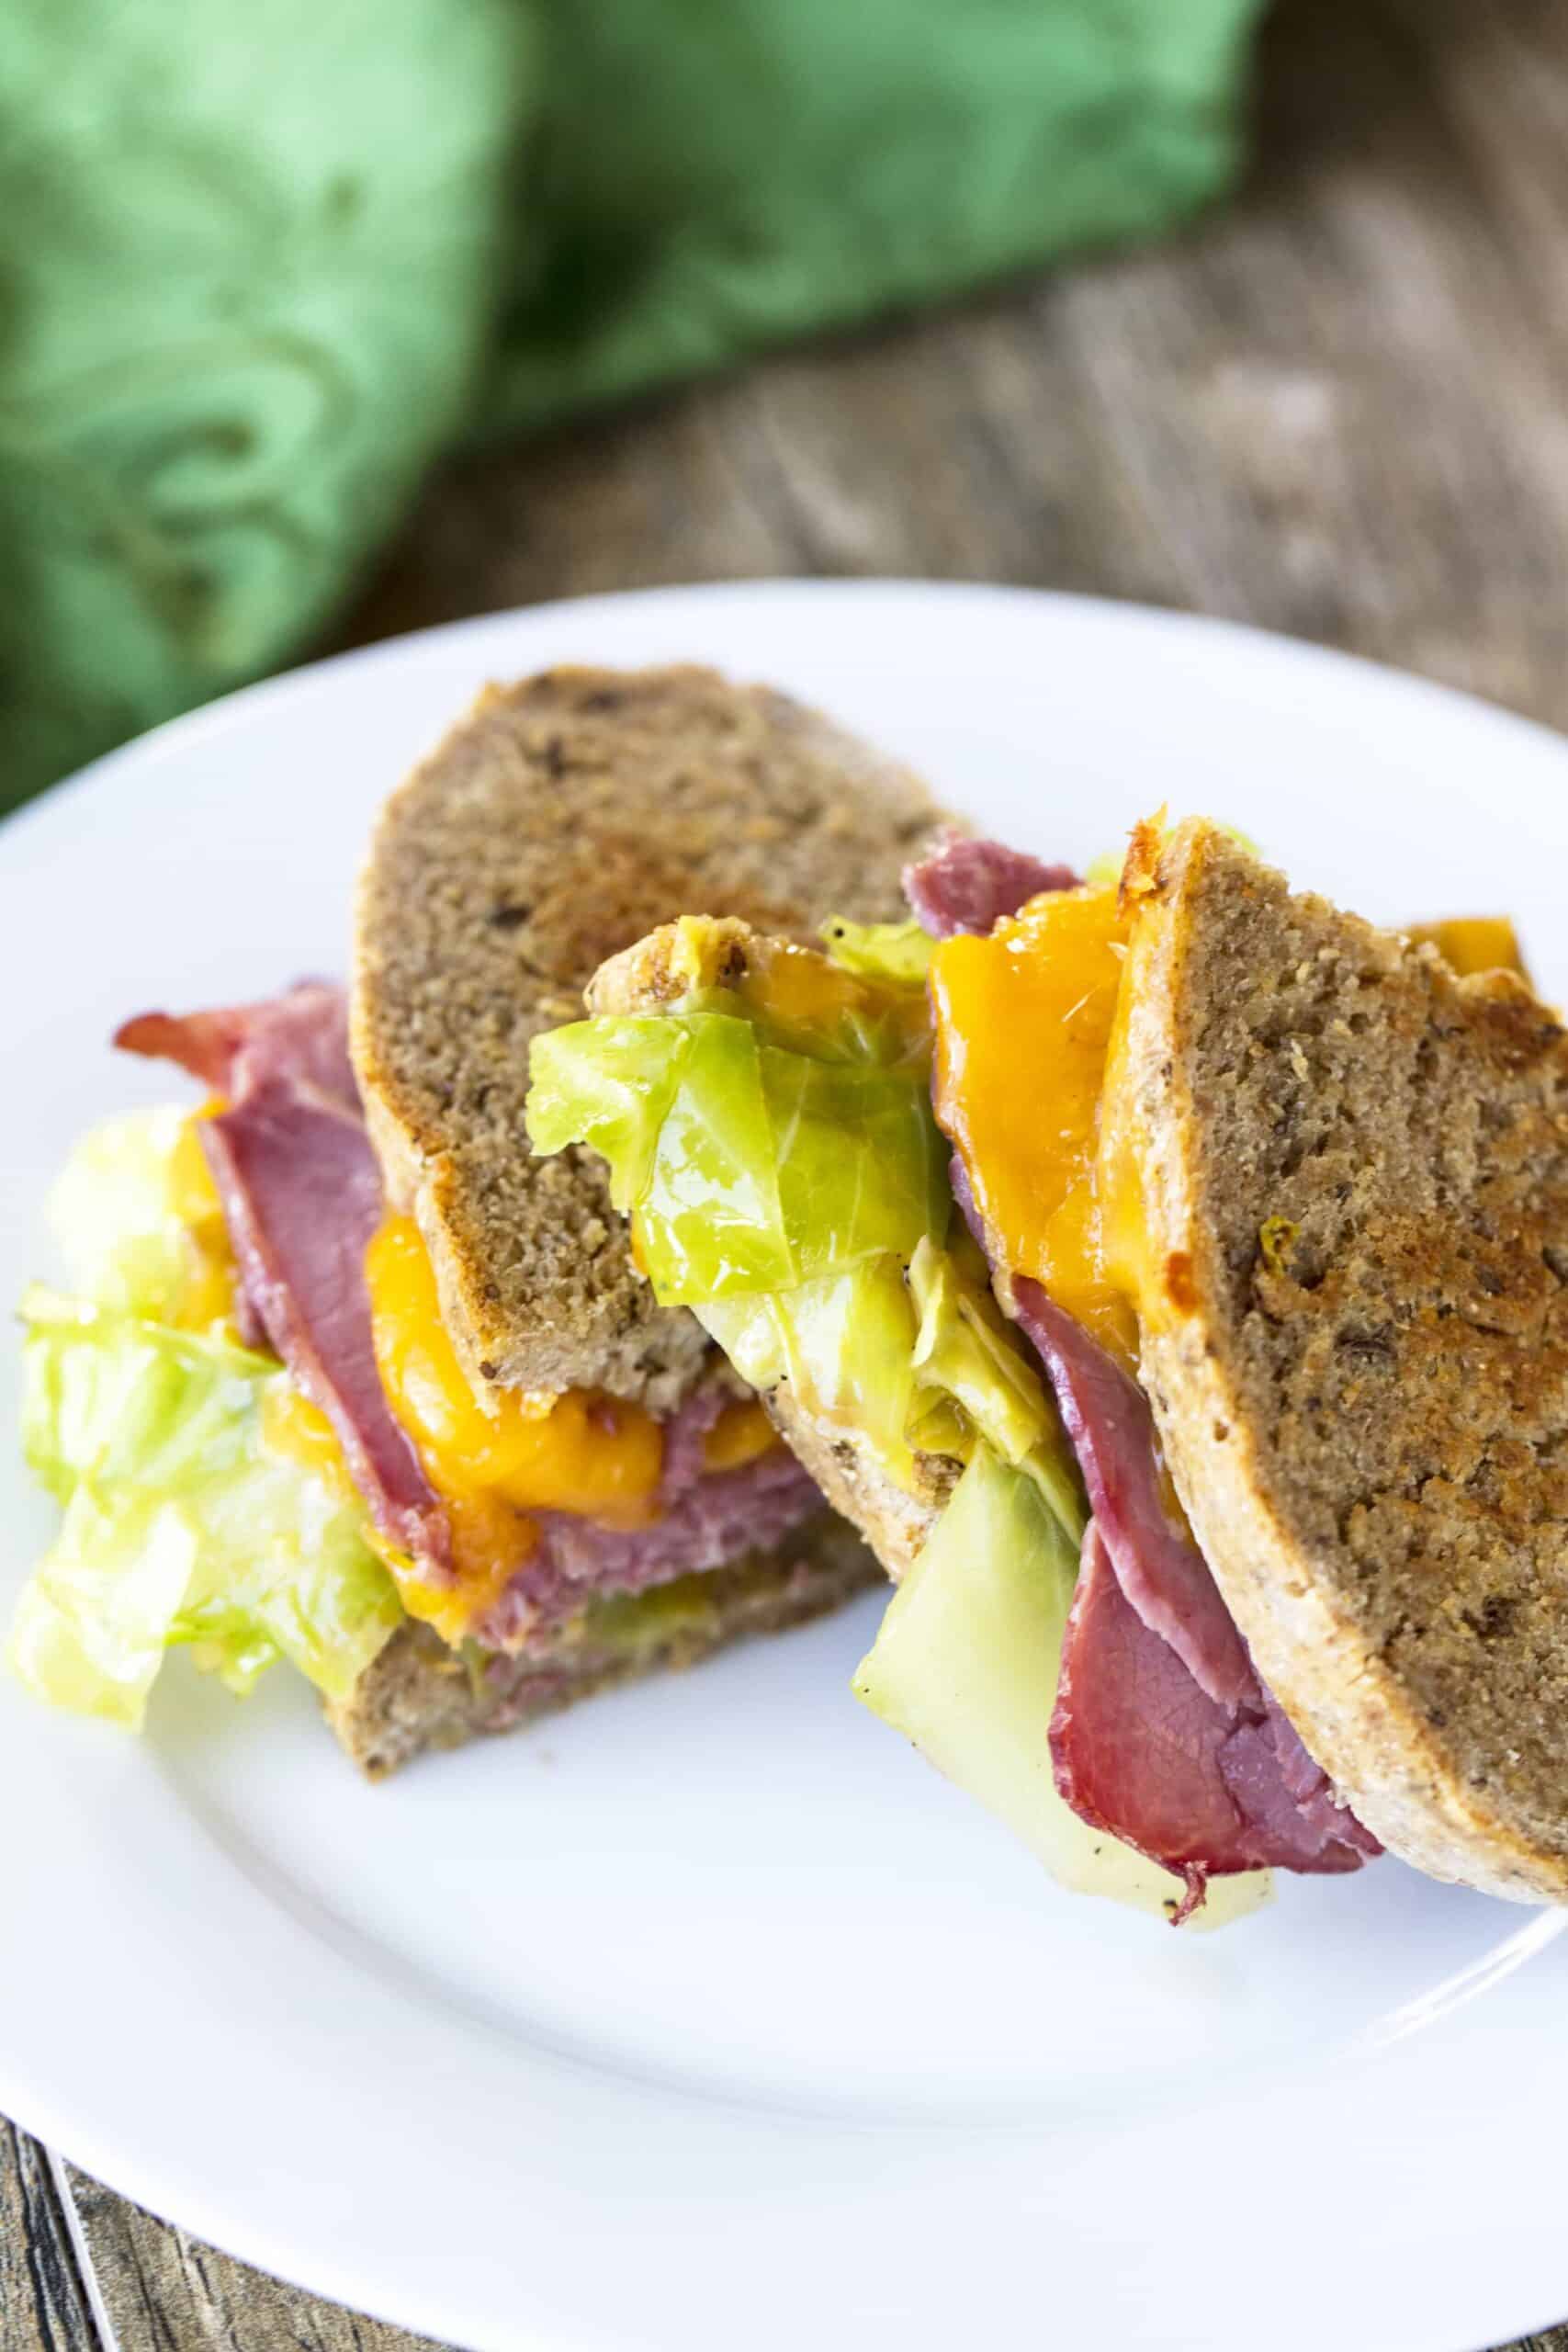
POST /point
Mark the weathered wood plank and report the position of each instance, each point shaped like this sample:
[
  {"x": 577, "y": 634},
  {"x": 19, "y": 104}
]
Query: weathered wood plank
[
  {"x": 44, "y": 2307},
  {"x": 163, "y": 2291}
]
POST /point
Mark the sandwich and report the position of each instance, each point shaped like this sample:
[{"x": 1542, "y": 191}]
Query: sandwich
[
  {"x": 1165, "y": 1273},
  {"x": 340, "y": 1374}
]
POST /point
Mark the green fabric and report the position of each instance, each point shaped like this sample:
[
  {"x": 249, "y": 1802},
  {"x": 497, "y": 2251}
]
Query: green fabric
[{"x": 262, "y": 260}]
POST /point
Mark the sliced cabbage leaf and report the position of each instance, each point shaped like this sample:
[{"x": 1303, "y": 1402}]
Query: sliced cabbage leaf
[
  {"x": 844, "y": 1343},
  {"x": 748, "y": 1166},
  {"x": 963, "y": 1350},
  {"x": 862, "y": 1168},
  {"x": 121, "y": 1210},
  {"x": 184, "y": 1522},
  {"x": 966, "y": 1354},
  {"x": 966, "y": 1665},
  {"x": 896, "y": 951},
  {"x": 747, "y": 1328},
  {"x": 710, "y": 1217},
  {"x": 914, "y": 1361},
  {"x": 609, "y": 1084},
  {"x": 781, "y": 1197}
]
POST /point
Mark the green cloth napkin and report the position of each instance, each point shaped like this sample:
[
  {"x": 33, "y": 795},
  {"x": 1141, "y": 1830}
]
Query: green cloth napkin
[{"x": 262, "y": 260}]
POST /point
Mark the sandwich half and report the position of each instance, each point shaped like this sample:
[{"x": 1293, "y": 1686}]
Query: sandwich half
[
  {"x": 342, "y": 1374},
  {"x": 1168, "y": 1277}
]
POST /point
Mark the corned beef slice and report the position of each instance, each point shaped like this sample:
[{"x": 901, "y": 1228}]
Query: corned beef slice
[
  {"x": 964, "y": 884},
  {"x": 300, "y": 1036},
  {"x": 1159, "y": 1569},
  {"x": 1163, "y": 1734},
  {"x": 708, "y": 1521},
  {"x": 301, "y": 1196},
  {"x": 1141, "y": 1750}
]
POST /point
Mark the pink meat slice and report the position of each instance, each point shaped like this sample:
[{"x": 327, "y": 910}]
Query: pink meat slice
[
  {"x": 963, "y": 885},
  {"x": 1157, "y": 1565},
  {"x": 1140, "y": 1751},
  {"x": 301, "y": 1037},
  {"x": 708, "y": 1520},
  {"x": 1164, "y": 1733},
  {"x": 302, "y": 1197}
]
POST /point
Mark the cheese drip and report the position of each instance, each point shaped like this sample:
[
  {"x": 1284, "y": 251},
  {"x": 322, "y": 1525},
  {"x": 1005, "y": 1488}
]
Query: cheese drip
[
  {"x": 1024, "y": 1020},
  {"x": 1027, "y": 1026},
  {"x": 580, "y": 1451}
]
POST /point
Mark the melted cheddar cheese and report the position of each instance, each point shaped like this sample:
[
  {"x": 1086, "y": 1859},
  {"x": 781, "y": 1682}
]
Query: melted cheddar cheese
[
  {"x": 799, "y": 993},
  {"x": 1029, "y": 1020},
  {"x": 494, "y": 1462},
  {"x": 798, "y": 987},
  {"x": 1027, "y": 1026},
  {"x": 1474, "y": 944},
  {"x": 578, "y": 1452},
  {"x": 207, "y": 1295},
  {"x": 293, "y": 1426},
  {"x": 741, "y": 1432},
  {"x": 1024, "y": 1018}
]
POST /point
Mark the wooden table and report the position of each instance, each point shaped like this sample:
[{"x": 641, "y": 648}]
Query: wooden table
[{"x": 1339, "y": 409}]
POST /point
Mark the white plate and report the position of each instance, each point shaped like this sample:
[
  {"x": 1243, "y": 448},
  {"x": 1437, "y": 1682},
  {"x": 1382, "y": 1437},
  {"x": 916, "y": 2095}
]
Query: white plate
[{"x": 707, "y": 2017}]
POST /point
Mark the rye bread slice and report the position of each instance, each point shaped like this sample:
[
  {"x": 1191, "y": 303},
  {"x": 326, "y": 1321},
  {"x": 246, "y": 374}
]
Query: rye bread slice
[
  {"x": 1354, "y": 1171},
  {"x": 563, "y": 817},
  {"x": 418, "y": 1694}
]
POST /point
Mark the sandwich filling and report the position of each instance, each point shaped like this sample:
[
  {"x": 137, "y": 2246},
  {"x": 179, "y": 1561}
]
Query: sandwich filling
[
  {"x": 1162, "y": 1732},
  {"x": 881, "y": 1180},
  {"x": 252, "y": 1411}
]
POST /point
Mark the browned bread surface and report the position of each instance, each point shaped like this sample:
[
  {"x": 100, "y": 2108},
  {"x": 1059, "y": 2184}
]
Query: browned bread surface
[
  {"x": 420, "y": 1694},
  {"x": 1355, "y": 1179},
  {"x": 561, "y": 819}
]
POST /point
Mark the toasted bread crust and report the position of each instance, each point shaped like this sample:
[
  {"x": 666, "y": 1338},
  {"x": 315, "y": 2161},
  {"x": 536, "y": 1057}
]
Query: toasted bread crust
[
  {"x": 561, "y": 818},
  {"x": 1366, "y": 1407},
  {"x": 893, "y": 1522},
  {"x": 418, "y": 1694}
]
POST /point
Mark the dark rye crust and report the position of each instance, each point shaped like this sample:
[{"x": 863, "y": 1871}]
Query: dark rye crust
[
  {"x": 420, "y": 1694},
  {"x": 1366, "y": 1404},
  {"x": 562, "y": 819}
]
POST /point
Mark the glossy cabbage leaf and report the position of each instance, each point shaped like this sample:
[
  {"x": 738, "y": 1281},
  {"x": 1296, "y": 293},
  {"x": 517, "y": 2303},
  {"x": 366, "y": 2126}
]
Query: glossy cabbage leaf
[
  {"x": 844, "y": 1341},
  {"x": 899, "y": 953},
  {"x": 966, "y": 1353},
  {"x": 966, "y": 1665},
  {"x": 747, "y": 1167},
  {"x": 137, "y": 1219},
  {"x": 186, "y": 1523},
  {"x": 608, "y": 1084}
]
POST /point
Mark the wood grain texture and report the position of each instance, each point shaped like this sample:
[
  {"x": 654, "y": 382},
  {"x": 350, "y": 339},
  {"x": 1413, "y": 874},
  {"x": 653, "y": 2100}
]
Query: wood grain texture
[
  {"x": 44, "y": 2307},
  {"x": 1339, "y": 408},
  {"x": 160, "y": 2290}
]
